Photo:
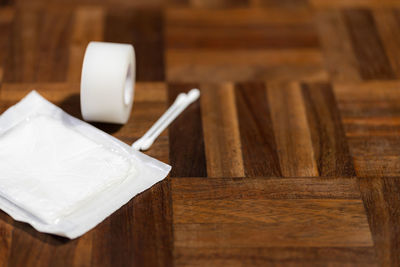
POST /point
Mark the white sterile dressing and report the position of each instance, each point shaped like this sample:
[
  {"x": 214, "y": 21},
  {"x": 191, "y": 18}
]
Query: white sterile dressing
[
  {"x": 62, "y": 175},
  {"x": 49, "y": 169}
]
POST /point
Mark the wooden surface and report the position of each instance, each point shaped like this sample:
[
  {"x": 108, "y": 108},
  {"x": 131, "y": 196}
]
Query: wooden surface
[{"x": 291, "y": 156}]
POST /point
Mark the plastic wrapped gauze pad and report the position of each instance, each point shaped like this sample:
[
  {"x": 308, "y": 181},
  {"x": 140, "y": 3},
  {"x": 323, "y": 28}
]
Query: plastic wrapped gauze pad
[{"x": 62, "y": 175}]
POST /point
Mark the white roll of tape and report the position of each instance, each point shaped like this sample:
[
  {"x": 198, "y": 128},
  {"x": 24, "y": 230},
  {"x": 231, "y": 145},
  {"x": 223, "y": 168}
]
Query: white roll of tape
[{"x": 107, "y": 82}]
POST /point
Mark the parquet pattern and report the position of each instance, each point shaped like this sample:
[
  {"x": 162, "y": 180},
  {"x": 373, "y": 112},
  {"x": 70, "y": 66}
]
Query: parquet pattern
[{"x": 290, "y": 158}]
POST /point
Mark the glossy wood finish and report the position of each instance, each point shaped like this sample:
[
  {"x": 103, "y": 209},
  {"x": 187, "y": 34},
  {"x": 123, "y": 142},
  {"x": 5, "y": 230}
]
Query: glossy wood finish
[{"x": 290, "y": 158}]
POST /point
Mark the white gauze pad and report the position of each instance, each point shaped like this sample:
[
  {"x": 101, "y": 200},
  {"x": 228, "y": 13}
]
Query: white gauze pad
[{"x": 62, "y": 175}]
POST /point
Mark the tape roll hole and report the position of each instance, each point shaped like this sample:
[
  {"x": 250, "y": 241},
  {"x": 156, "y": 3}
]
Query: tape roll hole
[{"x": 128, "y": 91}]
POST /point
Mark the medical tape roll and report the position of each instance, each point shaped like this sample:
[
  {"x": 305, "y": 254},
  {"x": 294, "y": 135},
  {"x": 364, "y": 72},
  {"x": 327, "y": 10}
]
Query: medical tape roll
[{"x": 107, "y": 82}]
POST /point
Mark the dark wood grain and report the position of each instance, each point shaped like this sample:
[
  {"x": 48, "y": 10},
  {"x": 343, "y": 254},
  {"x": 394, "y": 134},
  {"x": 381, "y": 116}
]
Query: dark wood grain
[
  {"x": 387, "y": 23},
  {"x": 144, "y": 227},
  {"x": 330, "y": 144},
  {"x": 265, "y": 188},
  {"x": 290, "y": 256},
  {"x": 144, "y": 29},
  {"x": 381, "y": 200},
  {"x": 260, "y": 157},
  {"x": 7, "y": 16},
  {"x": 367, "y": 45},
  {"x": 6, "y": 2},
  {"x": 209, "y": 3},
  {"x": 186, "y": 142},
  {"x": 32, "y": 55},
  {"x": 337, "y": 46}
]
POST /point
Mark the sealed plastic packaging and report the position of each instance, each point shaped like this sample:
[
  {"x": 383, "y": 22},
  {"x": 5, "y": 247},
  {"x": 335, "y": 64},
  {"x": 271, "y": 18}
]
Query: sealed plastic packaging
[{"x": 62, "y": 175}]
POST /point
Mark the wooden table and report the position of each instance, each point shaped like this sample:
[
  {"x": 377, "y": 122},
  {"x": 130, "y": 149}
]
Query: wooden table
[{"x": 291, "y": 157}]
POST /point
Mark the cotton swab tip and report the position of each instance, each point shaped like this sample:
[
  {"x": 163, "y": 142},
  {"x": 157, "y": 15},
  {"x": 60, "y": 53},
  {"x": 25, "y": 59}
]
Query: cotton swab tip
[
  {"x": 180, "y": 98},
  {"x": 146, "y": 144},
  {"x": 193, "y": 95}
]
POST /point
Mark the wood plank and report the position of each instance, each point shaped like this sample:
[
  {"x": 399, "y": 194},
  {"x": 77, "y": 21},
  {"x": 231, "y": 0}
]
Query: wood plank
[
  {"x": 373, "y": 61},
  {"x": 218, "y": 3},
  {"x": 387, "y": 23},
  {"x": 292, "y": 133},
  {"x": 270, "y": 223},
  {"x": 138, "y": 234},
  {"x": 39, "y": 50},
  {"x": 194, "y": 65},
  {"x": 354, "y": 4},
  {"x": 143, "y": 29},
  {"x": 6, "y": 232},
  {"x": 253, "y": 30},
  {"x": 221, "y": 131},
  {"x": 88, "y": 25},
  {"x": 83, "y": 251},
  {"x": 244, "y": 37},
  {"x": 186, "y": 142},
  {"x": 336, "y": 46},
  {"x": 6, "y": 2},
  {"x": 236, "y": 17},
  {"x": 284, "y": 4},
  {"x": 272, "y": 256},
  {"x": 260, "y": 156},
  {"x": 6, "y": 18},
  {"x": 381, "y": 200},
  {"x": 71, "y": 4},
  {"x": 371, "y": 115},
  {"x": 39, "y": 249},
  {"x": 372, "y": 99},
  {"x": 264, "y": 188},
  {"x": 330, "y": 145}
]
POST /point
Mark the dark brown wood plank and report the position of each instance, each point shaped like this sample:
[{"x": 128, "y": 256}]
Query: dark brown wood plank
[
  {"x": 367, "y": 45},
  {"x": 6, "y": 2},
  {"x": 371, "y": 115},
  {"x": 143, "y": 29},
  {"x": 6, "y": 233},
  {"x": 323, "y": 4},
  {"x": 138, "y": 234},
  {"x": 211, "y": 29},
  {"x": 6, "y": 20},
  {"x": 87, "y": 26},
  {"x": 260, "y": 156},
  {"x": 39, "y": 46},
  {"x": 329, "y": 140},
  {"x": 240, "y": 45},
  {"x": 388, "y": 23},
  {"x": 208, "y": 65},
  {"x": 272, "y": 256},
  {"x": 208, "y": 3},
  {"x": 265, "y": 188},
  {"x": 225, "y": 220},
  {"x": 381, "y": 200},
  {"x": 336, "y": 46},
  {"x": 186, "y": 142},
  {"x": 38, "y": 249},
  {"x": 291, "y": 4}
]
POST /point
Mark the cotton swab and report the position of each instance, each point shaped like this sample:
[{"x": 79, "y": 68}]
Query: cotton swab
[
  {"x": 180, "y": 104},
  {"x": 180, "y": 98}
]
